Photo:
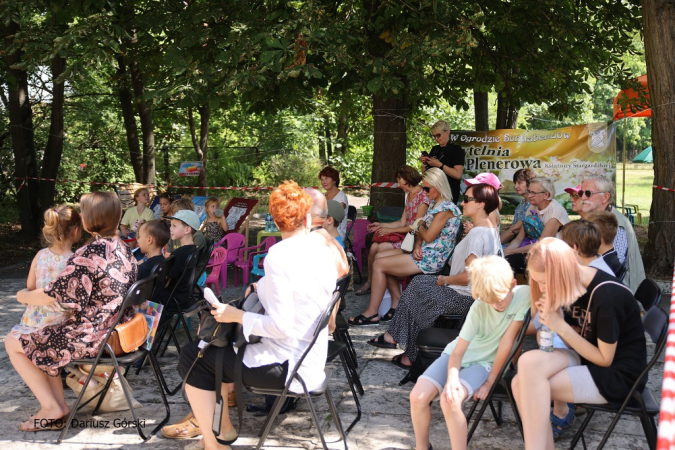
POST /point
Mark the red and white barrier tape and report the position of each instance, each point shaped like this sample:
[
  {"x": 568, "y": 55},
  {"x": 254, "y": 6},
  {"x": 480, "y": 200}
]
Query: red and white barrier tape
[
  {"x": 664, "y": 188},
  {"x": 666, "y": 438},
  {"x": 219, "y": 188}
]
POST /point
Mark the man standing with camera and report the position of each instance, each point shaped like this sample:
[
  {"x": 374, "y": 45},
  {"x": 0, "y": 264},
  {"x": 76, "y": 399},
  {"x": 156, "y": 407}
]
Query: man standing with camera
[{"x": 446, "y": 156}]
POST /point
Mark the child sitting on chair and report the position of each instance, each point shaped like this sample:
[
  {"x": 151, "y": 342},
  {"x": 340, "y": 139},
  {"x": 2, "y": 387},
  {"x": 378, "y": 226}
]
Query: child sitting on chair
[
  {"x": 63, "y": 228},
  {"x": 609, "y": 226},
  {"x": 183, "y": 204},
  {"x": 469, "y": 365},
  {"x": 136, "y": 215},
  {"x": 152, "y": 237},
  {"x": 184, "y": 224},
  {"x": 336, "y": 213}
]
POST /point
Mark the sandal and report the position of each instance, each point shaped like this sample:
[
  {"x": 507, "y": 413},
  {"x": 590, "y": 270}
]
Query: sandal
[
  {"x": 560, "y": 425},
  {"x": 389, "y": 315},
  {"x": 364, "y": 289},
  {"x": 362, "y": 320},
  {"x": 380, "y": 342},
  {"x": 396, "y": 360},
  {"x": 185, "y": 429}
]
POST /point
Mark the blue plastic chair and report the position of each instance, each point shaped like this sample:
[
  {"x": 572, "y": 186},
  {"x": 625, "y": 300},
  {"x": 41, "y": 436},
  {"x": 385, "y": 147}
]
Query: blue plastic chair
[{"x": 256, "y": 269}]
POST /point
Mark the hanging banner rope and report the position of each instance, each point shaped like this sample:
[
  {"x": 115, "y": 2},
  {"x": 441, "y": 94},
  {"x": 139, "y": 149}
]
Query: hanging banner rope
[
  {"x": 219, "y": 188},
  {"x": 666, "y": 438},
  {"x": 664, "y": 188}
]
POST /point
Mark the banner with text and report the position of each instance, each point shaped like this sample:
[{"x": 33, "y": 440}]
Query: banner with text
[{"x": 566, "y": 155}]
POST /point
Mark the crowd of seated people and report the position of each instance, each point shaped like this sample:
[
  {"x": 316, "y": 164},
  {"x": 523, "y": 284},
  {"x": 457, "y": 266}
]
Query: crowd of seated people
[{"x": 573, "y": 290}]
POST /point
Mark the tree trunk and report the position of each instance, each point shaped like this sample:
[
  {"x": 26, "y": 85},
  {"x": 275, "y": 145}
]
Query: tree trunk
[
  {"x": 480, "y": 107},
  {"x": 54, "y": 150},
  {"x": 322, "y": 146},
  {"x": 342, "y": 133},
  {"x": 507, "y": 113},
  {"x": 147, "y": 129},
  {"x": 389, "y": 116},
  {"x": 659, "y": 35},
  {"x": 201, "y": 145},
  {"x": 329, "y": 143},
  {"x": 21, "y": 123},
  {"x": 126, "y": 104}
]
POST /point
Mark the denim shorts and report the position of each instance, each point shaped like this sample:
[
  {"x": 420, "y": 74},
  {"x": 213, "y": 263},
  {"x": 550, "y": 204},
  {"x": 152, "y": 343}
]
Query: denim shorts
[{"x": 471, "y": 377}]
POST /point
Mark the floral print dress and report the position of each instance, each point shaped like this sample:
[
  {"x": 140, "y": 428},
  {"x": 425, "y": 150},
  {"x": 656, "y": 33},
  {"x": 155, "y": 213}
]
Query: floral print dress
[
  {"x": 411, "y": 207},
  {"x": 92, "y": 288},
  {"x": 434, "y": 254},
  {"x": 48, "y": 266}
]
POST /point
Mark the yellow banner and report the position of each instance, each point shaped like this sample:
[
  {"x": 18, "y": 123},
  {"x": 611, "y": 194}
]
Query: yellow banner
[{"x": 566, "y": 155}]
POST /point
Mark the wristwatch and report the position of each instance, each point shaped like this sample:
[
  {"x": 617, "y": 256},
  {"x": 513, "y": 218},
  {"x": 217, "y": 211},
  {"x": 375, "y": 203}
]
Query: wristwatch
[{"x": 442, "y": 166}]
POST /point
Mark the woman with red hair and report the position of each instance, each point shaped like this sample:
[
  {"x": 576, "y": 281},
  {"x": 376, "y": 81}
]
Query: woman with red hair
[{"x": 297, "y": 287}]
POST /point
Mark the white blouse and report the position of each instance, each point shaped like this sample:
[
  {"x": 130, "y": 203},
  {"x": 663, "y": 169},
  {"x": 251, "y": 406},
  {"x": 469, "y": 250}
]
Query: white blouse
[{"x": 299, "y": 281}]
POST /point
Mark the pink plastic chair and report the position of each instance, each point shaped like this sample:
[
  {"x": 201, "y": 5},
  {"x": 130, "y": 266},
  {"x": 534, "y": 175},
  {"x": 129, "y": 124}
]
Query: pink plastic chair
[
  {"x": 359, "y": 240},
  {"x": 245, "y": 264},
  {"x": 218, "y": 258},
  {"x": 232, "y": 242}
]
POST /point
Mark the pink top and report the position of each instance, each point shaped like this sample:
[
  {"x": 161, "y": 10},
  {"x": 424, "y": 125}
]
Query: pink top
[{"x": 412, "y": 205}]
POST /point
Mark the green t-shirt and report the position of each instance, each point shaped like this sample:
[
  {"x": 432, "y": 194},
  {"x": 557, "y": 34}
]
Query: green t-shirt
[
  {"x": 485, "y": 326},
  {"x": 132, "y": 219}
]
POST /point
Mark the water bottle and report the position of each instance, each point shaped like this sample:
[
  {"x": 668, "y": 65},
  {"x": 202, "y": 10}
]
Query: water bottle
[
  {"x": 545, "y": 339},
  {"x": 267, "y": 222}
]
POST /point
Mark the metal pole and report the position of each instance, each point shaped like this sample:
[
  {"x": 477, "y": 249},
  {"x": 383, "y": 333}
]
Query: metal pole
[{"x": 623, "y": 187}]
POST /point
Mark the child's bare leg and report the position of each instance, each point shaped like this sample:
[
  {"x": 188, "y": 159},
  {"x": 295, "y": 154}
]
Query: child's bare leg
[
  {"x": 455, "y": 420},
  {"x": 420, "y": 411}
]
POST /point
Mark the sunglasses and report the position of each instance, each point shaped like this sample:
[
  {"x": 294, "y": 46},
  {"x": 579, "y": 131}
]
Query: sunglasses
[
  {"x": 575, "y": 197},
  {"x": 468, "y": 199},
  {"x": 437, "y": 135},
  {"x": 426, "y": 189},
  {"x": 589, "y": 194}
]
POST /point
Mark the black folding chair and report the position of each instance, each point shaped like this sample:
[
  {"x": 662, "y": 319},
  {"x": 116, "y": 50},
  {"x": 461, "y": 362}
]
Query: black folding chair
[
  {"x": 282, "y": 394},
  {"x": 162, "y": 270},
  {"x": 137, "y": 294},
  {"x": 501, "y": 389},
  {"x": 648, "y": 294},
  {"x": 203, "y": 256},
  {"x": 641, "y": 404}
]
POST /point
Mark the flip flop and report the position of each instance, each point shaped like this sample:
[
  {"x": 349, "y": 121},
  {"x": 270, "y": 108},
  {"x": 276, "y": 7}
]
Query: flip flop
[
  {"x": 362, "y": 320},
  {"x": 389, "y": 315},
  {"x": 380, "y": 342},
  {"x": 396, "y": 360},
  {"x": 363, "y": 290}
]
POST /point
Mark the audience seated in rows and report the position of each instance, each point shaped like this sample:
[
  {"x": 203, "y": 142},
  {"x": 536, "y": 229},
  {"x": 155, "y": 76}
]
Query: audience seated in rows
[{"x": 429, "y": 296}]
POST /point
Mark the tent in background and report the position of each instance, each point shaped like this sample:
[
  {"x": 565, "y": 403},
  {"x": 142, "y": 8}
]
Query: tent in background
[{"x": 645, "y": 156}]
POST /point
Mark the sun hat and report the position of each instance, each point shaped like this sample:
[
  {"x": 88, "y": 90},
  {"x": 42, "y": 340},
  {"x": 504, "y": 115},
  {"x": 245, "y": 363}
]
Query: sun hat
[
  {"x": 187, "y": 217},
  {"x": 336, "y": 211},
  {"x": 575, "y": 190},
  {"x": 484, "y": 178}
]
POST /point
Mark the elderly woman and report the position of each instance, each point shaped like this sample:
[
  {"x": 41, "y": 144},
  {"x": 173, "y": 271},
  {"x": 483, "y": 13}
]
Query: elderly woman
[
  {"x": 435, "y": 239},
  {"x": 416, "y": 206},
  {"x": 545, "y": 218},
  {"x": 429, "y": 296},
  {"x": 91, "y": 287},
  {"x": 330, "y": 180},
  {"x": 299, "y": 280}
]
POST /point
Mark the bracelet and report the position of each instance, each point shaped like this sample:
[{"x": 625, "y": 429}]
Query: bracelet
[{"x": 445, "y": 280}]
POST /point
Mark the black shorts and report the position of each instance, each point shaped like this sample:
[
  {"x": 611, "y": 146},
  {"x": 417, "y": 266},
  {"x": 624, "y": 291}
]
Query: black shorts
[{"x": 272, "y": 376}]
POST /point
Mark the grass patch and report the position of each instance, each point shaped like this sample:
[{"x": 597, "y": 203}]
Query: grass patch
[{"x": 639, "y": 189}]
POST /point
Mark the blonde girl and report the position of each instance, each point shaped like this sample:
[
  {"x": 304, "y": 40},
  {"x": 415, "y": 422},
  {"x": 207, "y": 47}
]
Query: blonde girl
[
  {"x": 136, "y": 215},
  {"x": 213, "y": 226}
]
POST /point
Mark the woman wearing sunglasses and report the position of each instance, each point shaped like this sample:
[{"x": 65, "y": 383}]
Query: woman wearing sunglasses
[
  {"x": 542, "y": 221},
  {"x": 434, "y": 240},
  {"x": 427, "y": 297}
]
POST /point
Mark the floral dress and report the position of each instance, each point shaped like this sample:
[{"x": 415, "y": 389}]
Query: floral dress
[
  {"x": 92, "y": 288},
  {"x": 48, "y": 266},
  {"x": 213, "y": 230},
  {"x": 435, "y": 253},
  {"x": 521, "y": 210},
  {"x": 411, "y": 207}
]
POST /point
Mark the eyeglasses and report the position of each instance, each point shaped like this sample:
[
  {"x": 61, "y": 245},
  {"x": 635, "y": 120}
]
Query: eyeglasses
[
  {"x": 426, "y": 189},
  {"x": 575, "y": 197},
  {"x": 529, "y": 192},
  {"x": 437, "y": 135},
  {"x": 468, "y": 199},
  {"x": 589, "y": 194}
]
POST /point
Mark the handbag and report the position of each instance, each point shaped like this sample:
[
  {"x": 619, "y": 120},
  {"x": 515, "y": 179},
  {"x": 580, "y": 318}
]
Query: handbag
[
  {"x": 388, "y": 238},
  {"x": 409, "y": 241},
  {"x": 114, "y": 400},
  {"x": 128, "y": 337}
]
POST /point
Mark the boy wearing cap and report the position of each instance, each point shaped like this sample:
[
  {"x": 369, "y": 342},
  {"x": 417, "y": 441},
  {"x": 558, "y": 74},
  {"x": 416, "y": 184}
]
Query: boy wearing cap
[
  {"x": 336, "y": 213},
  {"x": 184, "y": 224}
]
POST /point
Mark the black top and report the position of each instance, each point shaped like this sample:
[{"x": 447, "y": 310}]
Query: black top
[
  {"x": 614, "y": 318},
  {"x": 451, "y": 155},
  {"x": 612, "y": 260},
  {"x": 182, "y": 294},
  {"x": 145, "y": 269}
]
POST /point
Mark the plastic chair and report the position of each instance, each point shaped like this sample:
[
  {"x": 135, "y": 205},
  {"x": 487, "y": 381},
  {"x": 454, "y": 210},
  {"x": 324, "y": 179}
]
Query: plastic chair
[
  {"x": 648, "y": 294},
  {"x": 245, "y": 263},
  {"x": 323, "y": 390},
  {"x": 642, "y": 404},
  {"x": 232, "y": 242},
  {"x": 137, "y": 294},
  {"x": 257, "y": 269},
  {"x": 357, "y": 244},
  {"x": 218, "y": 258}
]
